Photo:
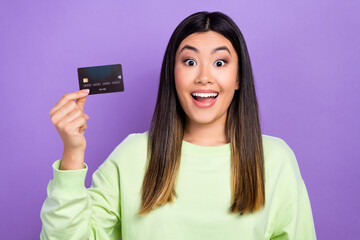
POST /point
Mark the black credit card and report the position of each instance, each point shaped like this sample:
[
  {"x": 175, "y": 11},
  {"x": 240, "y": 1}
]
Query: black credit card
[{"x": 101, "y": 79}]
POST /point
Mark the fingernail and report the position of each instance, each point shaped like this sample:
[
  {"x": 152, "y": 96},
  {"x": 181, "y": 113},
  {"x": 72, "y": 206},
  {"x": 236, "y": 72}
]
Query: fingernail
[{"x": 84, "y": 91}]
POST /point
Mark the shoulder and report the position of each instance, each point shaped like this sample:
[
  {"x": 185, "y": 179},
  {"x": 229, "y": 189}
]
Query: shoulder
[
  {"x": 279, "y": 157},
  {"x": 133, "y": 143},
  {"x": 275, "y": 146},
  {"x": 131, "y": 150},
  {"x": 134, "y": 140},
  {"x": 126, "y": 159}
]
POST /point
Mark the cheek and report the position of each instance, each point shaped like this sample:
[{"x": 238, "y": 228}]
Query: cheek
[
  {"x": 182, "y": 78},
  {"x": 178, "y": 80},
  {"x": 227, "y": 80}
]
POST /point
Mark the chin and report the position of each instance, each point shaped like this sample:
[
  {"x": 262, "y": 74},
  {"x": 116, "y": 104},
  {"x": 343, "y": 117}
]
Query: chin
[{"x": 205, "y": 119}]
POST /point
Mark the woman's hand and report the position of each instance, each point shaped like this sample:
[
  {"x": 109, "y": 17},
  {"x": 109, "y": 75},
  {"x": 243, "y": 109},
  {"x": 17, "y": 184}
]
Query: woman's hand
[{"x": 69, "y": 120}]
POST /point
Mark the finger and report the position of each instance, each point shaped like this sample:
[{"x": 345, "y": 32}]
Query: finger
[
  {"x": 82, "y": 128},
  {"x": 81, "y": 102},
  {"x": 76, "y": 113},
  {"x": 76, "y": 126},
  {"x": 69, "y": 97},
  {"x": 62, "y": 113}
]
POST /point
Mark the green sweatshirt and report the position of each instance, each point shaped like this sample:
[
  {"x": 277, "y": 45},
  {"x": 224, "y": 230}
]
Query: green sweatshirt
[{"x": 107, "y": 210}]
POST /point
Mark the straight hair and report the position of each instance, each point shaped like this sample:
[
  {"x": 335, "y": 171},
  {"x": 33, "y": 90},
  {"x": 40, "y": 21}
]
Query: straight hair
[{"x": 242, "y": 126}]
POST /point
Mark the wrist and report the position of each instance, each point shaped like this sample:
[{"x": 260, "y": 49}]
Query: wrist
[{"x": 72, "y": 160}]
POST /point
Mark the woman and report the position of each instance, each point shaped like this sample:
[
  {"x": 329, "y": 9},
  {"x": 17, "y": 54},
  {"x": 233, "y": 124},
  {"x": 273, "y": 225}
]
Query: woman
[{"x": 203, "y": 171}]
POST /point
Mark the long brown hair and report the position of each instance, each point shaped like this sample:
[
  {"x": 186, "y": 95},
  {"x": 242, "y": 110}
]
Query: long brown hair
[{"x": 242, "y": 125}]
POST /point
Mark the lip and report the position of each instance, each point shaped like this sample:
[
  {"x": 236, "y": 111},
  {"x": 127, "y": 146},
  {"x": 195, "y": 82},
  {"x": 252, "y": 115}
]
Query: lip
[{"x": 204, "y": 104}]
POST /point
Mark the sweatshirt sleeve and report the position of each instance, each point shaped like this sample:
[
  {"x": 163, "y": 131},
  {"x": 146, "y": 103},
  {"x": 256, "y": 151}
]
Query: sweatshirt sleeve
[
  {"x": 71, "y": 211},
  {"x": 294, "y": 220}
]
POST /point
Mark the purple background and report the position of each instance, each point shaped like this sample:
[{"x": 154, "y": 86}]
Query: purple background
[{"x": 306, "y": 63}]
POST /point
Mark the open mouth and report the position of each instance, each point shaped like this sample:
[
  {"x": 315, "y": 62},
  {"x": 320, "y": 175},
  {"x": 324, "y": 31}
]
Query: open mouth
[{"x": 204, "y": 97}]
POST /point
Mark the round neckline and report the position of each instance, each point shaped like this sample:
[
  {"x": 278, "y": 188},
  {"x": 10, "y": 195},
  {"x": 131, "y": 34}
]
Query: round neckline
[{"x": 188, "y": 147}]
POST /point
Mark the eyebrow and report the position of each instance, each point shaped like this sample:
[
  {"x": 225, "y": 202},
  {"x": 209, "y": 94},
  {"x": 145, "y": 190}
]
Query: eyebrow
[{"x": 196, "y": 50}]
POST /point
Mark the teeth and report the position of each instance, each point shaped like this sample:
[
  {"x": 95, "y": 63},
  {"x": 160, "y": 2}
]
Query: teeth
[{"x": 204, "y": 95}]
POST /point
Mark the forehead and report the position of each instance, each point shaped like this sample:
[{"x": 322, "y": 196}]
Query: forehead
[{"x": 206, "y": 40}]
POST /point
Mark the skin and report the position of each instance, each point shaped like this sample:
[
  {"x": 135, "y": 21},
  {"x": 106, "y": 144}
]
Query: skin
[
  {"x": 201, "y": 67},
  {"x": 69, "y": 120}
]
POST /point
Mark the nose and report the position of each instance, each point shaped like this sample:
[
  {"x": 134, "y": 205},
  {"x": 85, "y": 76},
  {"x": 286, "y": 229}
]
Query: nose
[{"x": 204, "y": 75}]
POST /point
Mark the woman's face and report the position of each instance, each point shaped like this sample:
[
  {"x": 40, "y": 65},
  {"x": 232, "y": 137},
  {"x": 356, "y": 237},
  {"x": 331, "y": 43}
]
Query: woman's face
[{"x": 206, "y": 66}]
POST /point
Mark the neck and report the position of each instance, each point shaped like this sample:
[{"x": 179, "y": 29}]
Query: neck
[{"x": 207, "y": 134}]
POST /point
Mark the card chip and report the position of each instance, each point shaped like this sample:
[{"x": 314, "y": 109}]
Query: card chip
[{"x": 85, "y": 80}]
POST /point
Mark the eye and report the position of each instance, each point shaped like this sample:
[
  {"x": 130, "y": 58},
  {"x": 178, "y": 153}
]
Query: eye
[
  {"x": 220, "y": 63},
  {"x": 190, "y": 62}
]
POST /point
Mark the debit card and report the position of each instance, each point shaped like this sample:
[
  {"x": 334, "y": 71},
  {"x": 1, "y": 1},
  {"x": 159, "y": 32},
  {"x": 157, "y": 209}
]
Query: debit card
[{"x": 101, "y": 79}]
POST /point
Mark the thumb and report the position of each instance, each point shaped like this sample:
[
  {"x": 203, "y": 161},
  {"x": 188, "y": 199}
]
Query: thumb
[{"x": 81, "y": 102}]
